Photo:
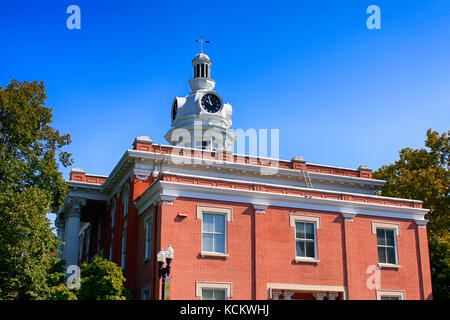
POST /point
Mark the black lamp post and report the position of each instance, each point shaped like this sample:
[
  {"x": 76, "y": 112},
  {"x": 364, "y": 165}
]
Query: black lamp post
[{"x": 163, "y": 272}]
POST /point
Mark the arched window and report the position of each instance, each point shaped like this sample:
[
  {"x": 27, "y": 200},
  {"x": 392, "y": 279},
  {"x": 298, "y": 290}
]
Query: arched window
[{"x": 125, "y": 199}]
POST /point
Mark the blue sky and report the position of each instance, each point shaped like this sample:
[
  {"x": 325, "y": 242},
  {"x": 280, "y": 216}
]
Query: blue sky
[{"x": 340, "y": 94}]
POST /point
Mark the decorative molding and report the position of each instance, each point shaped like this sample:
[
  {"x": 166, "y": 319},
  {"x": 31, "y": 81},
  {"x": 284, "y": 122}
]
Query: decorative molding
[
  {"x": 293, "y": 217},
  {"x": 276, "y": 294},
  {"x": 319, "y": 295},
  {"x": 73, "y": 207},
  {"x": 348, "y": 216},
  {"x": 291, "y": 201},
  {"x": 332, "y": 295},
  {"x": 421, "y": 223},
  {"x": 260, "y": 208},
  {"x": 385, "y": 225},
  {"x": 288, "y": 295},
  {"x": 209, "y": 209},
  {"x": 167, "y": 199},
  {"x": 142, "y": 171}
]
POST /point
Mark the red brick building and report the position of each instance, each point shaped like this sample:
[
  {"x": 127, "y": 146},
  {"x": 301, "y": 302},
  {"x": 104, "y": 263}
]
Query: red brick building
[{"x": 297, "y": 231}]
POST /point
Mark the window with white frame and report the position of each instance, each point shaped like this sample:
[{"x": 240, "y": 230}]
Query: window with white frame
[
  {"x": 125, "y": 200},
  {"x": 386, "y": 243},
  {"x": 124, "y": 249},
  {"x": 305, "y": 239},
  {"x": 214, "y": 294},
  {"x": 148, "y": 224},
  {"x": 390, "y": 295},
  {"x": 213, "y": 290},
  {"x": 214, "y": 233}
]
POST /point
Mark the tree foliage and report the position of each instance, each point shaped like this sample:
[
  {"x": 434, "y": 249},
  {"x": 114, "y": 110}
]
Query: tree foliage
[
  {"x": 422, "y": 174},
  {"x": 102, "y": 280},
  {"x": 30, "y": 185}
]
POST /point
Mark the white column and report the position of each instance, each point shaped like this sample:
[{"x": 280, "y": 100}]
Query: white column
[
  {"x": 72, "y": 231},
  {"x": 288, "y": 295},
  {"x": 332, "y": 295},
  {"x": 319, "y": 295},
  {"x": 276, "y": 294}
]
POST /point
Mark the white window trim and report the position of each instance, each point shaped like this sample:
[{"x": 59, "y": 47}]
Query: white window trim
[
  {"x": 293, "y": 218},
  {"x": 391, "y": 293},
  {"x": 227, "y": 286},
  {"x": 385, "y": 225},
  {"x": 147, "y": 254},
  {"x": 214, "y": 253},
  {"x": 228, "y": 212},
  {"x": 388, "y": 226},
  {"x": 207, "y": 209}
]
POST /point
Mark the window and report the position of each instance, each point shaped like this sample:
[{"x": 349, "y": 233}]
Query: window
[
  {"x": 390, "y": 298},
  {"x": 125, "y": 200},
  {"x": 145, "y": 294},
  {"x": 111, "y": 248},
  {"x": 213, "y": 290},
  {"x": 124, "y": 249},
  {"x": 386, "y": 246},
  {"x": 305, "y": 239},
  {"x": 148, "y": 224},
  {"x": 213, "y": 233},
  {"x": 390, "y": 295},
  {"x": 214, "y": 294},
  {"x": 113, "y": 214}
]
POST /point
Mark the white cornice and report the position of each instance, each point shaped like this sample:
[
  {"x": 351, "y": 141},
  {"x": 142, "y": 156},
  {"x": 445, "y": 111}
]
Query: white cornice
[
  {"x": 291, "y": 187},
  {"x": 284, "y": 200}
]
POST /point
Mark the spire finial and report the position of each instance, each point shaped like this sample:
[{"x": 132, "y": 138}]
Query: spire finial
[{"x": 201, "y": 43}]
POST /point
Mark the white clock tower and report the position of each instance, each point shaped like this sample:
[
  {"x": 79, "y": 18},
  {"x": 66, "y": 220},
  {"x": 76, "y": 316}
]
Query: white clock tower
[{"x": 201, "y": 119}]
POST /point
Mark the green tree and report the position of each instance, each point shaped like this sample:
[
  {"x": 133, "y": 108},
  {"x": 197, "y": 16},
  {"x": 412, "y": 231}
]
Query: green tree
[
  {"x": 422, "y": 174},
  {"x": 102, "y": 280},
  {"x": 30, "y": 185}
]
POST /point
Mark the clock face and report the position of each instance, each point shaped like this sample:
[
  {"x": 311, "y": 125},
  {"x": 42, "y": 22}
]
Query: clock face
[
  {"x": 174, "y": 109},
  {"x": 211, "y": 103}
]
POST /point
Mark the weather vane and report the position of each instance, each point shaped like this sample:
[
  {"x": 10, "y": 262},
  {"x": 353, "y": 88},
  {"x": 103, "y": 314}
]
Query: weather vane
[{"x": 201, "y": 43}]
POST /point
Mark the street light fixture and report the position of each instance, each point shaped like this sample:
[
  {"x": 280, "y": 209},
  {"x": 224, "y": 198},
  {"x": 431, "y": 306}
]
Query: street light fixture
[{"x": 163, "y": 272}]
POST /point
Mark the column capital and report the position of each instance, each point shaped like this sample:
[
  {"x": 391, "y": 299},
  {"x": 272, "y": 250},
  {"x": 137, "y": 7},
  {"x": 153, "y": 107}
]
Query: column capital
[
  {"x": 332, "y": 295},
  {"x": 276, "y": 294},
  {"x": 288, "y": 295},
  {"x": 319, "y": 295},
  {"x": 73, "y": 207}
]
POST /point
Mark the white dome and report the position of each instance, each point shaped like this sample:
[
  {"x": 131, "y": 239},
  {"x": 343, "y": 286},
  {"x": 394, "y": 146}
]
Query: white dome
[{"x": 201, "y": 56}]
